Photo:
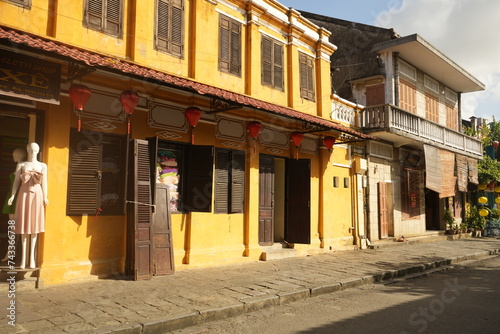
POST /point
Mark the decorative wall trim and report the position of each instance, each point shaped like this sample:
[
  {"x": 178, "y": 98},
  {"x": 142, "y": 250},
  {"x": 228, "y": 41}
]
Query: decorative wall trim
[
  {"x": 167, "y": 116},
  {"x": 275, "y": 138},
  {"x": 231, "y": 129},
  {"x": 168, "y": 135},
  {"x": 274, "y": 150},
  {"x": 97, "y": 124},
  {"x": 309, "y": 145},
  {"x": 231, "y": 144}
]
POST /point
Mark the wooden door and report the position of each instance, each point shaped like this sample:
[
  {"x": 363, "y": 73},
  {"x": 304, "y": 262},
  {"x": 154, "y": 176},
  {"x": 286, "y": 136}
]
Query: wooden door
[
  {"x": 382, "y": 210},
  {"x": 163, "y": 253},
  {"x": 298, "y": 199},
  {"x": 266, "y": 200},
  {"x": 375, "y": 95},
  {"x": 139, "y": 243}
]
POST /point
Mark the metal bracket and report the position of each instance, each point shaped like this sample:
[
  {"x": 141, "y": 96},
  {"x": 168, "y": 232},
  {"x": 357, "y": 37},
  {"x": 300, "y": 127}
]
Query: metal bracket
[
  {"x": 310, "y": 127},
  {"x": 76, "y": 70},
  {"x": 217, "y": 106}
]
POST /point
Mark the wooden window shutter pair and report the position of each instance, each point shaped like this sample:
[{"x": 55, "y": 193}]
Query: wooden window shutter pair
[
  {"x": 306, "y": 77},
  {"x": 105, "y": 16},
  {"x": 229, "y": 45},
  {"x": 169, "y": 26},
  {"x": 95, "y": 173},
  {"x": 272, "y": 63},
  {"x": 230, "y": 181}
]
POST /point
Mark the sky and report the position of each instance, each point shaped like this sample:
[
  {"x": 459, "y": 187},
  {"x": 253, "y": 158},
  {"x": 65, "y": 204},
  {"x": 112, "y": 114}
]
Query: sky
[{"x": 466, "y": 31}]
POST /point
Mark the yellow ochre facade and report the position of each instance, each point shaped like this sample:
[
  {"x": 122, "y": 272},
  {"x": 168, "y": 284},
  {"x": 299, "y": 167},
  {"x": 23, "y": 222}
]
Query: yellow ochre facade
[{"x": 237, "y": 62}]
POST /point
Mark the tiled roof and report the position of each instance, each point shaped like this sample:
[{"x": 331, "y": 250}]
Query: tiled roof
[{"x": 93, "y": 59}]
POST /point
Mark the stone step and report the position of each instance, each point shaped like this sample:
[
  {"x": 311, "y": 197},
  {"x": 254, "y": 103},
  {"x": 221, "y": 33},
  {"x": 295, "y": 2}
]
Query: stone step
[{"x": 278, "y": 253}]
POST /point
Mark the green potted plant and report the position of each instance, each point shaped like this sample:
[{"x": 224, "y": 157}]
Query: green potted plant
[
  {"x": 475, "y": 221},
  {"x": 450, "y": 222}
]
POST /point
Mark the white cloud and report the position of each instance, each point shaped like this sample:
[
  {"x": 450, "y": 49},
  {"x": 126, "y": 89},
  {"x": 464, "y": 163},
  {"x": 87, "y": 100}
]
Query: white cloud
[{"x": 467, "y": 32}]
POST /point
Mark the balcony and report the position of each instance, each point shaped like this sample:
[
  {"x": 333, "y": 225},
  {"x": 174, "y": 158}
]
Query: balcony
[{"x": 396, "y": 125}]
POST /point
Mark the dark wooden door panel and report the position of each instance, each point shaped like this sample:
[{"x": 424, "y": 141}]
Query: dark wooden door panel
[
  {"x": 163, "y": 254},
  {"x": 266, "y": 200},
  {"x": 382, "y": 207},
  {"x": 298, "y": 197}
]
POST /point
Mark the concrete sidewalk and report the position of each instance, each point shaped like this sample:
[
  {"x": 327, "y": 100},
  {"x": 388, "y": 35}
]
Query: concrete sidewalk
[{"x": 194, "y": 296}]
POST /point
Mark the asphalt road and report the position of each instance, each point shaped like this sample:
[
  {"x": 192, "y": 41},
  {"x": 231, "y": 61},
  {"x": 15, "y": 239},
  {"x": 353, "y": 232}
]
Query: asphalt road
[{"x": 462, "y": 299}]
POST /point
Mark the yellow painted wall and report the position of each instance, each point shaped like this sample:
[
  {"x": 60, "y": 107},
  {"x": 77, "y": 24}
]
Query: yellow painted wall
[
  {"x": 75, "y": 248},
  {"x": 34, "y": 20}
]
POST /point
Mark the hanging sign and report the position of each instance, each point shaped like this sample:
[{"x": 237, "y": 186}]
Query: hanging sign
[{"x": 29, "y": 78}]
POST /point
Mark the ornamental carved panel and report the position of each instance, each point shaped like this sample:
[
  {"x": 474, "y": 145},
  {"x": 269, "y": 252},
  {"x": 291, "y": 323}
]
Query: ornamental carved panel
[
  {"x": 275, "y": 138},
  {"x": 167, "y": 116},
  {"x": 230, "y": 129}
]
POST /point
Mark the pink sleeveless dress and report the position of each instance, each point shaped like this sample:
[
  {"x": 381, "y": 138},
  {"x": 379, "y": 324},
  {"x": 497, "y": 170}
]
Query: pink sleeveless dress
[{"x": 29, "y": 214}]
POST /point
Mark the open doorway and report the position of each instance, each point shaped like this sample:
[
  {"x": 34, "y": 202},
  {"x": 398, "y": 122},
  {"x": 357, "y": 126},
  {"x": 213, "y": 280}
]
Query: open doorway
[
  {"x": 18, "y": 127},
  {"x": 284, "y": 200}
]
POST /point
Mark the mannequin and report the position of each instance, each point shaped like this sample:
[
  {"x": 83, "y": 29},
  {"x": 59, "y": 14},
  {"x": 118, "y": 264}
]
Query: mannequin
[
  {"x": 19, "y": 156},
  {"x": 30, "y": 187}
]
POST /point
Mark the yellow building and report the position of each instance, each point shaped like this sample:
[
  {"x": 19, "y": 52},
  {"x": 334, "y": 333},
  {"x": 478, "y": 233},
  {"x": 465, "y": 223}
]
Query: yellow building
[{"x": 137, "y": 189}]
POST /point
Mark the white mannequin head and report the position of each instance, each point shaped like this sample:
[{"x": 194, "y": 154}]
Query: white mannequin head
[
  {"x": 33, "y": 149},
  {"x": 19, "y": 155}
]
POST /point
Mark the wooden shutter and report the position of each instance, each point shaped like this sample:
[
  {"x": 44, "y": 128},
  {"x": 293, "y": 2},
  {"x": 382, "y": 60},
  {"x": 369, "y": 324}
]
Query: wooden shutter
[
  {"x": 229, "y": 45},
  {"x": 153, "y": 151},
  {"x": 84, "y": 174},
  {"x": 306, "y": 77},
  {"x": 235, "y": 48},
  {"x": 113, "y": 17},
  {"x": 222, "y": 180},
  {"x": 177, "y": 27},
  {"x": 169, "y": 26},
  {"x": 237, "y": 182},
  {"x": 272, "y": 63},
  {"x": 407, "y": 96},
  {"x": 139, "y": 212},
  {"x": 278, "y": 66},
  {"x": 267, "y": 61},
  {"x": 432, "y": 108},
  {"x": 104, "y": 15},
  {"x": 224, "y": 47},
  {"x": 94, "y": 13},
  {"x": 197, "y": 194},
  {"x": 162, "y": 25}
]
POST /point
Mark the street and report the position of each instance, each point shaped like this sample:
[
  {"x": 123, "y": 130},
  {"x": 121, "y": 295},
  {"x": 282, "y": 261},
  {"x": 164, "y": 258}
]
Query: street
[{"x": 462, "y": 299}]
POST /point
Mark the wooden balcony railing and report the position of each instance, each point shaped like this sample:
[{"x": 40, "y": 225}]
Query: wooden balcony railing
[{"x": 391, "y": 117}]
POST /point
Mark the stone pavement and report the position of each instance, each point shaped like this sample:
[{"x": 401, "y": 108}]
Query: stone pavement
[{"x": 194, "y": 296}]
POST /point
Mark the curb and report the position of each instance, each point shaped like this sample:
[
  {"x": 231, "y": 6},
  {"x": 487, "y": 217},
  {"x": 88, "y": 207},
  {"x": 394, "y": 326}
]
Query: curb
[{"x": 252, "y": 304}]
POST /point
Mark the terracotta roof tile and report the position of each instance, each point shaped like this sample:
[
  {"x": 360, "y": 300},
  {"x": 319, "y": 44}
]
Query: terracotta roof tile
[{"x": 93, "y": 59}]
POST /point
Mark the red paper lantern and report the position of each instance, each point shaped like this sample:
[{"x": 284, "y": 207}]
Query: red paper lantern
[
  {"x": 495, "y": 144},
  {"x": 193, "y": 115},
  {"x": 129, "y": 100},
  {"x": 254, "y": 127},
  {"x": 329, "y": 141},
  {"x": 79, "y": 95},
  {"x": 297, "y": 139}
]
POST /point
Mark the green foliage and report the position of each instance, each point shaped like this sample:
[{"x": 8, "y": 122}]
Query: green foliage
[
  {"x": 474, "y": 219},
  {"x": 449, "y": 219},
  {"x": 488, "y": 170}
]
